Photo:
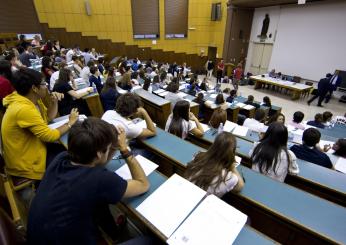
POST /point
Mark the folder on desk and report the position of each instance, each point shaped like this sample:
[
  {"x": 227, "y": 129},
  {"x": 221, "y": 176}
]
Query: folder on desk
[
  {"x": 168, "y": 206},
  {"x": 212, "y": 222}
]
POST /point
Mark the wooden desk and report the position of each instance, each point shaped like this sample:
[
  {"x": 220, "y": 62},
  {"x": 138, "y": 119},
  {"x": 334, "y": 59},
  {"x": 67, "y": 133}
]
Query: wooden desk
[
  {"x": 94, "y": 103},
  {"x": 157, "y": 107},
  {"x": 297, "y": 89}
]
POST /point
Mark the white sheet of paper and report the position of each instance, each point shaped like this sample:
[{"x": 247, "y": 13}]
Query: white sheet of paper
[
  {"x": 165, "y": 86},
  {"x": 181, "y": 94},
  {"x": 136, "y": 87},
  {"x": 147, "y": 165},
  {"x": 159, "y": 91},
  {"x": 237, "y": 160},
  {"x": 297, "y": 139},
  {"x": 204, "y": 126},
  {"x": 248, "y": 107},
  {"x": 213, "y": 96},
  {"x": 164, "y": 93},
  {"x": 340, "y": 165},
  {"x": 229, "y": 126},
  {"x": 211, "y": 91},
  {"x": 212, "y": 222},
  {"x": 83, "y": 90},
  {"x": 241, "y": 105},
  {"x": 188, "y": 100},
  {"x": 142, "y": 123},
  {"x": 171, "y": 203},
  {"x": 240, "y": 131},
  {"x": 182, "y": 86},
  {"x": 62, "y": 122}
]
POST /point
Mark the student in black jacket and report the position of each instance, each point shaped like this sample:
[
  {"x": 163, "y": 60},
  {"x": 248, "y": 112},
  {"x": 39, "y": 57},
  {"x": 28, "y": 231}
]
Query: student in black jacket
[
  {"x": 109, "y": 94},
  {"x": 310, "y": 151}
]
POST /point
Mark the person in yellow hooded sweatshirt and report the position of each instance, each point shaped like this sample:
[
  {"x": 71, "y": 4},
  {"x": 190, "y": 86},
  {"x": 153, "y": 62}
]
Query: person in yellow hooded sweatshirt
[{"x": 24, "y": 128}]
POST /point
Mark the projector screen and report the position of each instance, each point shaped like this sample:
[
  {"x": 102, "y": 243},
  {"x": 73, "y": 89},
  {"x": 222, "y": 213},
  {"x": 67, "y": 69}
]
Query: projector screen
[{"x": 310, "y": 40}]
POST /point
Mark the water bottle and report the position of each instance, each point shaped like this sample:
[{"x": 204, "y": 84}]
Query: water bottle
[
  {"x": 94, "y": 88},
  {"x": 220, "y": 128}
]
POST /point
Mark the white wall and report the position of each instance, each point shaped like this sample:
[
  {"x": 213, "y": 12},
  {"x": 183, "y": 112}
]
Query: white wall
[
  {"x": 274, "y": 15},
  {"x": 310, "y": 39}
]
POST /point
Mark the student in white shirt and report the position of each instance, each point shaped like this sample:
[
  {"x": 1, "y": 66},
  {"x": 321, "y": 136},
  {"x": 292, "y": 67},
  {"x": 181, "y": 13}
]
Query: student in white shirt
[
  {"x": 180, "y": 122},
  {"x": 85, "y": 73},
  {"x": 127, "y": 108},
  {"x": 55, "y": 76},
  {"x": 215, "y": 170},
  {"x": 256, "y": 124},
  {"x": 271, "y": 157},
  {"x": 70, "y": 53}
]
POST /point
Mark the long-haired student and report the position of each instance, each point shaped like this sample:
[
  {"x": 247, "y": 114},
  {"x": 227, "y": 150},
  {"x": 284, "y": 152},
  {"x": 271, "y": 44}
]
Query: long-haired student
[
  {"x": 180, "y": 122},
  {"x": 271, "y": 157},
  {"x": 215, "y": 170}
]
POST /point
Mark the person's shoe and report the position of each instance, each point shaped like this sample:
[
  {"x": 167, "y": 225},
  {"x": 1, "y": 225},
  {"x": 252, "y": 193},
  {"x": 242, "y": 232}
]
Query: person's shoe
[{"x": 320, "y": 105}]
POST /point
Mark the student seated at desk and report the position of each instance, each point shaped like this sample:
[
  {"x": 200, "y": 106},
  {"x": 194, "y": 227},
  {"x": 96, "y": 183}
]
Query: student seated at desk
[
  {"x": 71, "y": 98},
  {"x": 257, "y": 123},
  {"x": 327, "y": 118},
  {"x": 278, "y": 117},
  {"x": 215, "y": 170},
  {"x": 6, "y": 87},
  {"x": 146, "y": 85},
  {"x": 156, "y": 83},
  {"x": 340, "y": 148},
  {"x": 318, "y": 122},
  {"x": 27, "y": 55},
  {"x": 180, "y": 122},
  {"x": 77, "y": 65},
  {"x": 204, "y": 85},
  {"x": 27, "y": 139},
  {"x": 72, "y": 201},
  {"x": 95, "y": 79},
  {"x": 310, "y": 151},
  {"x": 193, "y": 89},
  {"x": 172, "y": 95},
  {"x": 219, "y": 116},
  {"x": 128, "y": 106},
  {"x": 47, "y": 68},
  {"x": 270, "y": 155},
  {"x": 232, "y": 96},
  {"x": 85, "y": 73},
  {"x": 220, "y": 101},
  {"x": 125, "y": 82},
  {"x": 267, "y": 103},
  {"x": 341, "y": 119},
  {"x": 298, "y": 117},
  {"x": 200, "y": 101},
  {"x": 250, "y": 101},
  {"x": 55, "y": 76},
  {"x": 109, "y": 94}
]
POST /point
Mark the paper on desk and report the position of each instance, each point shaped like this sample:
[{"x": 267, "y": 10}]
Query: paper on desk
[
  {"x": 83, "y": 90},
  {"x": 159, "y": 91},
  {"x": 229, "y": 126},
  {"x": 170, "y": 204},
  {"x": 248, "y": 107},
  {"x": 212, "y": 222},
  {"x": 164, "y": 93},
  {"x": 62, "y": 122},
  {"x": 147, "y": 165},
  {"x": 240, "y": 130},
  {"x": 340, "y": 165},
  {"x": 188, "y": 100},
  {"x": 182, "y": 86},
  {"x": 241, "y": 105},
  {"x": 213, "y": 96},
  {"x": 204, "y": 126},
  {"x": 165, "y": 86},
  {"x": 136, "y": 87},
  {"x": 141, "y": 123},
  {"x": 237, "y": 160},
  {"x": 181, "y": 94}
]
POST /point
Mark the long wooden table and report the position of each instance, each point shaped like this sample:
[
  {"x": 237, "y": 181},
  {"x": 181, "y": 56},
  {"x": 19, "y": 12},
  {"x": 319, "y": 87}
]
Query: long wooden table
[{"x": 297, "y": 89}]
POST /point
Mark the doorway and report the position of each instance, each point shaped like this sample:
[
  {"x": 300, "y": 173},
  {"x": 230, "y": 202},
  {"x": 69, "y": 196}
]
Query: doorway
[
  {"x": 261, "y": 54},
  {"x": 212, "y": 51}
]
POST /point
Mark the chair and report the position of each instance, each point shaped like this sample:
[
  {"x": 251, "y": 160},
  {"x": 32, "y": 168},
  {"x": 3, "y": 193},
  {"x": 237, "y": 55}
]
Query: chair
[{"x": 306, "y": 93}]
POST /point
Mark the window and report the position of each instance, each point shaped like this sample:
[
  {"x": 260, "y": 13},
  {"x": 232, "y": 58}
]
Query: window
[
  {"x": 176, "y": 18},
  {"x": 145, "y": 19}
]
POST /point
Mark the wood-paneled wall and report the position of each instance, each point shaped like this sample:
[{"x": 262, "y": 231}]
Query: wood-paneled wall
[{"x": 69, "y": 39}]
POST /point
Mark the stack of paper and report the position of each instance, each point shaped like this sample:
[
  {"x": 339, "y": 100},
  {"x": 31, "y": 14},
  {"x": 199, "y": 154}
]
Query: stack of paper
[
  {"x": 163, "y": 94},
  {"x": 159, "y": 91},
  {"x": 229, "y": 126},
  {"x": 147, "y": 165},
  {"x": 212, "y": 222},
  {"x": 240, "y": 130},
  {"x": 248, "y": 107},
  {"x": 241, "y": 105},
  {"x": 181, "y": 94},
  {"x": 62, "y": 122},
  {"x": 170, "y": 204},
  {"x": 341, "y": 165}
]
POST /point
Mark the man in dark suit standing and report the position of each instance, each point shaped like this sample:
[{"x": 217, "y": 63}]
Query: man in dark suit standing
[
  {"x": 322, "y": 90},
  {"x": 334, "y": 83}
]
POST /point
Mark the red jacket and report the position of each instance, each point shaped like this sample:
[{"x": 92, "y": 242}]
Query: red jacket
[{"x": 5, "y": 87}]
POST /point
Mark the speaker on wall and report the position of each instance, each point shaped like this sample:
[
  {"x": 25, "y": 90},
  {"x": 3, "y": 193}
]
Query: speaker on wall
[{"x": 87, "y": 7}]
